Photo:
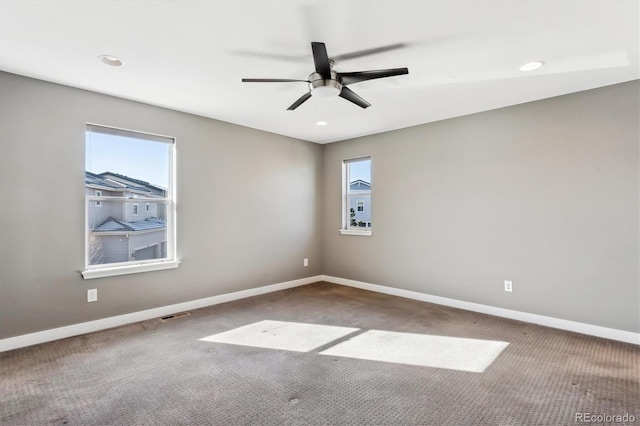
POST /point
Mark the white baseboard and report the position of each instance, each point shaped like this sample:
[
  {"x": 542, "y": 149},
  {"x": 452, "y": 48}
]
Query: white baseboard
[
  {"x": 102, "y": 324},
  {"x": 577, "y": 327},
  {"x": 105, "y": 323}
]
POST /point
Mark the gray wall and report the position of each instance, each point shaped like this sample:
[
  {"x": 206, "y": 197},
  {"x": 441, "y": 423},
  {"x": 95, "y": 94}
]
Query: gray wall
[
  {"x": 544, "y": 194},
  {"x": 236, "y": 189}
]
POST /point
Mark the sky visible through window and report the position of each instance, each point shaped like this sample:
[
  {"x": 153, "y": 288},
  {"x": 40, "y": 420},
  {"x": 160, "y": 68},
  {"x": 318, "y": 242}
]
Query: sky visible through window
[
  {"x": 139, "y": 159},
  {"x": 360, "y": 170}
]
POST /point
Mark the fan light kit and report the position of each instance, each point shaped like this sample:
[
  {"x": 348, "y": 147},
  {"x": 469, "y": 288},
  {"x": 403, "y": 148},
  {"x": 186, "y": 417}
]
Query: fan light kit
[
  {"x": 111, "y": 60},
  {"x": 532, "y": 66},
  {"x": 327, "y": 83}
]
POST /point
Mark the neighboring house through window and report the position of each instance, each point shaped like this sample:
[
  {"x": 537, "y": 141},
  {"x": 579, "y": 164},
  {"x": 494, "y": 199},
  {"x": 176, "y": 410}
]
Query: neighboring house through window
[
  {"x": 356, "y": 196},
  {"x": 123, "y": 169}
]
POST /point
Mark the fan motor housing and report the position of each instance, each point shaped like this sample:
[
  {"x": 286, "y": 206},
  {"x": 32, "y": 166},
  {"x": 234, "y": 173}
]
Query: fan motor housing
[{"x": 320, "y": 86}]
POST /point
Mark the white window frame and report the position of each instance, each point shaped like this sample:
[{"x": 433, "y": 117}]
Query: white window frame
[
  {"x": 134, "y": 210},
  {"x": 132, "y": 267},
  {"x": 360, "y": 205},
  {"x": 98, "y": 194},
  {"x": 346, "y": 228}
]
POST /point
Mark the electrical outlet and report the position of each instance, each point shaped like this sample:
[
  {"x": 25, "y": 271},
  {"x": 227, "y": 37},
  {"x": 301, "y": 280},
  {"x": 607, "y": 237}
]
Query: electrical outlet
[
  {"x": 306, "y": 262},
  {"x": 508, "y": 285},
  {"x": 92, "y": 295}
]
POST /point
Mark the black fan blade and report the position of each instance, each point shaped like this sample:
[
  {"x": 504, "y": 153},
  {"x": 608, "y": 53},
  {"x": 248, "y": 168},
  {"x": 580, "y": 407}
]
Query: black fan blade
[
  {"x": 367, "y": 52},
  {"x": 321, "y": 59},
  {"x": 350, "y": 95},
  {"x": 300, "y": 101},
  {"x": 270, "y": 80},
  {"x": 358, "y": 76}
]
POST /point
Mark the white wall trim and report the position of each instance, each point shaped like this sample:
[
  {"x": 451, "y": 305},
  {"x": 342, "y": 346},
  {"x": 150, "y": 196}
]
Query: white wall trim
[
  {"x": 105, "y": 323},
  {"x": 361, "y": 233},
  {"x": 102, "y": 324},
  {"x": 562, "y": 324},
  {"x": 129, "y": 269}
]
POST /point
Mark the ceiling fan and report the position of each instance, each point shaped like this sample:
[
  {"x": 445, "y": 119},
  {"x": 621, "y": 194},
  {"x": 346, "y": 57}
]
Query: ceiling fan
[{"x": 326, "y": 82}]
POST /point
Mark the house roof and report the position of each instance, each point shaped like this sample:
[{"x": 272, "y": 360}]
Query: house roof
[
  {"x": 94, "y": 179},
  {"x": 360, "y": 182},
  {"x": 116, "y": 225},
  {"x": 102, "y": 179},
  {"x": 144, "y": 184}
]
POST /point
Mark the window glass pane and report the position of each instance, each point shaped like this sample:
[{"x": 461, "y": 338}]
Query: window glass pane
[
  {"x": 359, "y": 193},
  {"x": 125, "y": 169},
  {"x": 115, "y": 236},
  {"x": 129, "y": 158}
]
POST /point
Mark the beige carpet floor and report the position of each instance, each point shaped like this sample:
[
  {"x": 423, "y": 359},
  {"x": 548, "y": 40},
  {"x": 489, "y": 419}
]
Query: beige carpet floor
[{"x": 160, "y": 372}]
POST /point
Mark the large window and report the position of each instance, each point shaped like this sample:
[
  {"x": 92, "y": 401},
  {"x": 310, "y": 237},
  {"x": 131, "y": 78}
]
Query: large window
[
  {"x": 356, "y": 196},
  {"x": 123, "y": 170}
]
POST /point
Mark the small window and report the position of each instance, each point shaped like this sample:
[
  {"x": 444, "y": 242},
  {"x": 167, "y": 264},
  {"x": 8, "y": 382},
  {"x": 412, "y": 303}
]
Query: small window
[
  {"x": 356, "y": 200},
  {"x": 138, "y": 168}
]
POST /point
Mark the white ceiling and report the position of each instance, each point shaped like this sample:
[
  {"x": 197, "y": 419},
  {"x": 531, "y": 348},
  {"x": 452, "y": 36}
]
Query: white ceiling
[{"x": 463, "y": 56}]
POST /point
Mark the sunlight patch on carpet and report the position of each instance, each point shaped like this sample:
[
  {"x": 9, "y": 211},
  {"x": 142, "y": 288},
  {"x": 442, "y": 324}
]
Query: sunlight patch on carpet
[
  {"x": 289, "y": 336},
  {"x": 425, "y": 350}
]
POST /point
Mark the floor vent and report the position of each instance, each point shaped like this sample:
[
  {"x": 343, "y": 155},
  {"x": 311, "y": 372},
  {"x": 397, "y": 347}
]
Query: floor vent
[{"x": 172, "y": 316}]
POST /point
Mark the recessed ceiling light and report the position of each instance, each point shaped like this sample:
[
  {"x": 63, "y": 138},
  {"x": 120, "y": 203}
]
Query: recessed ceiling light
[
  {"x": 532, "y": 66},
  {"x": 321, "y": 123},
  {"x": 111, "y": 60}
]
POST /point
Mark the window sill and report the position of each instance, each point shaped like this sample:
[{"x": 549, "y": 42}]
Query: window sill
[
  {"x": 128, "y": 269},
  {"x": 355, "y": 232}
]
